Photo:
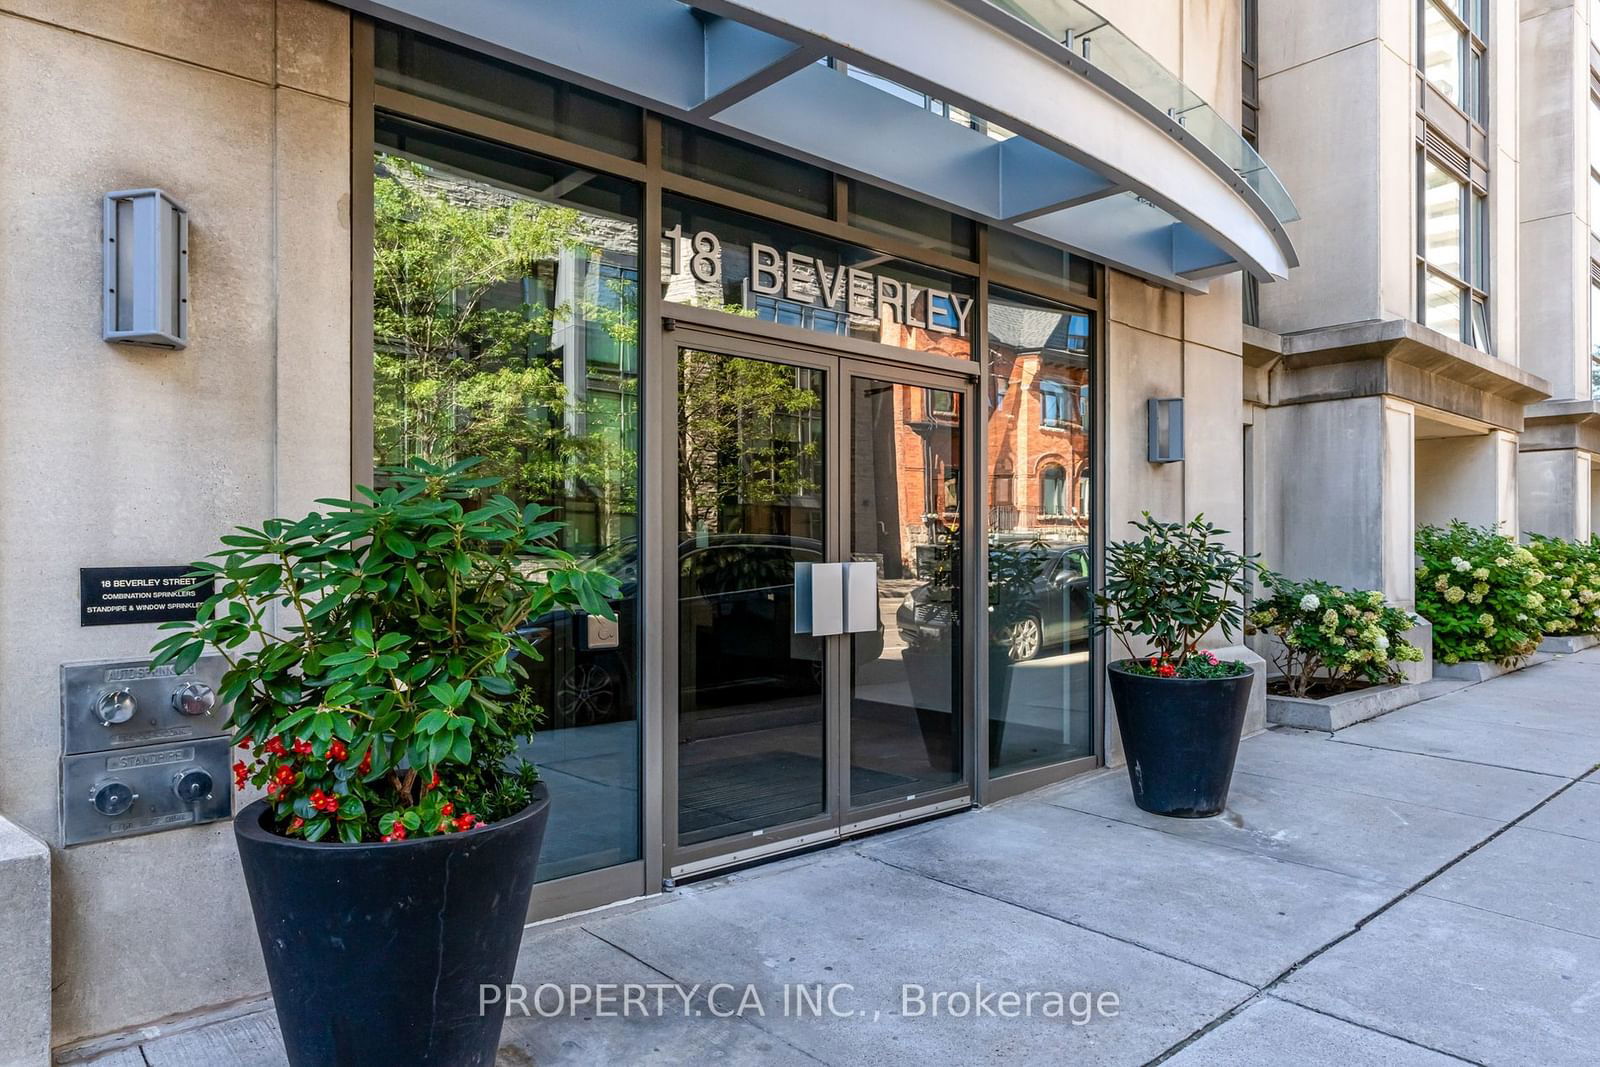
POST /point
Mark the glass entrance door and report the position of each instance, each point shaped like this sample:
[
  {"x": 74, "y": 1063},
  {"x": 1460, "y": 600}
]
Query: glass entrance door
[
  {"x": 907, "y": 729},
  {"x": 820, "y": 595}
]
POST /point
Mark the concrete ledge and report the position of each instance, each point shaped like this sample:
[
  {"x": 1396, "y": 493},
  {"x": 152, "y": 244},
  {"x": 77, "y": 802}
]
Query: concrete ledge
[
  {"x": 1479, "y": 671},
  {"x": 1345, "y": 709},
  {"x": 1255, "y": 719},
  {"x": 1418, "y": 672},
  {"x": 25, "y": 934},
  {"x": 1567, "y": 644}
]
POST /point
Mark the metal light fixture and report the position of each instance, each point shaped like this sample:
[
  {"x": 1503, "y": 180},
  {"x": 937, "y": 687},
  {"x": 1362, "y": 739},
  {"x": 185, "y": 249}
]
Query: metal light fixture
[
  {"x": 146, "y": 288},
  {"x": 1164, "y": 419}
]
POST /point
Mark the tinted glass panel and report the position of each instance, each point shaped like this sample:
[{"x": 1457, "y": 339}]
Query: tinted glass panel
[
  {"x": 893, "y": 215},
  {"x": 1443, "y": 46},
  {"x": 506, "y": 326},
  {"x": 474, "y": 82},
  {"x": 1034, "y": 259},
  {"x": 744, "y": 168},
  {"x": 1039, "y": 522},
  {"x": 1441, "y": 304},
  {"x": 1443, "y": 226},
  {"x": 717, "y": 258}
]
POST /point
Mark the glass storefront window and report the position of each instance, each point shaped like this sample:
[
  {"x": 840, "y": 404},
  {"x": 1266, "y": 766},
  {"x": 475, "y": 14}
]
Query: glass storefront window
[
  {"x": 1037, "y": 457},
  {"x": 506, "y": 325},
  {"x": 719, "y": 258}
]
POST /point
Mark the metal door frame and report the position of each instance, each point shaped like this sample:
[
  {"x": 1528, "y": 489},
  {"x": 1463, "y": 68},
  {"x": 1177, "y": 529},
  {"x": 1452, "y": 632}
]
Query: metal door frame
[{"x": 837, "y": 819}]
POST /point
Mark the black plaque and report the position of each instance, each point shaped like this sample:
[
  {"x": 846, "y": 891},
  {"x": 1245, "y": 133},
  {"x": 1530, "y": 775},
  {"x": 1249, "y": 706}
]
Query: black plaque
[{"x": 115, "y": 596}]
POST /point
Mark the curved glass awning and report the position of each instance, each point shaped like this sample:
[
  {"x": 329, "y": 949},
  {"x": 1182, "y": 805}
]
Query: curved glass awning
[{"x": 971, "y": 104}]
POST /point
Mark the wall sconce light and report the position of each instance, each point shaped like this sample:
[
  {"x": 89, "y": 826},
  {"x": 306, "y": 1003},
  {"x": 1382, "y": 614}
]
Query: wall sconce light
[
  {"x": 146, "y": 269},
  {"x": 1165, "y": 423}
]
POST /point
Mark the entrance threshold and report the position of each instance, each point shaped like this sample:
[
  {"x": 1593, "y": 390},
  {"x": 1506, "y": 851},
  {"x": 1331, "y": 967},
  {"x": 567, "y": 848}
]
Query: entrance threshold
[{"x": 774, "y": 849}]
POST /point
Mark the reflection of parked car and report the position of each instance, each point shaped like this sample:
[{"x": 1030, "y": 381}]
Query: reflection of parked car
[
  {"x": 1057, "y": 614},
  {"x": 736, "y": 629}
]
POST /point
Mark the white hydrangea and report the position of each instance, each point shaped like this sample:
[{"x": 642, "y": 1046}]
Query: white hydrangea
[
  {"x": 1381, "y": 643},
  {"x": 1460, "y": 564},
  {"x": 1309, "y": 602}
]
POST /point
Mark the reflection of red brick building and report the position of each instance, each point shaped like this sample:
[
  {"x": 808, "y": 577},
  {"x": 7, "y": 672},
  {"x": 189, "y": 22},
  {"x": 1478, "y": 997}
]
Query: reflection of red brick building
[
  {"x": 923, "y": 428},
  {"x": 1037, "y": 454}
]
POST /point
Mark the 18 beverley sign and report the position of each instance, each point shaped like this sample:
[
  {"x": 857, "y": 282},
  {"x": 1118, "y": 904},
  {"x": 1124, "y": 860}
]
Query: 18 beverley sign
[{"x": 112, "y": 596}]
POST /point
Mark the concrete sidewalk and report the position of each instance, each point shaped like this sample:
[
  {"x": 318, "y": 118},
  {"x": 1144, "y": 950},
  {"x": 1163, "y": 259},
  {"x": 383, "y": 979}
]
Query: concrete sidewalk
[{"x": 1419, "y": 889}]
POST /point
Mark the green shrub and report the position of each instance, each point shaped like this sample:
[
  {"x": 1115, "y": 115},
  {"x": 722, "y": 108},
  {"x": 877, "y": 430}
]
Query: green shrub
[
  {"x": 1480, "y": 590},
  {"x": 1571, "y": 586},
  {"x": 1331, "y": 638},
  {"x": 1170, "y": 588},
  {"x": 389, "y": 701}
]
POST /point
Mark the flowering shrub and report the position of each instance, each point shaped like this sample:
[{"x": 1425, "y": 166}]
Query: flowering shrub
[
  {"x": 1480, "y": 590},
  {"x": 1331, "y": 638},
  {"x": 1571, "y": 586},
  {"x": 385, "y": 703},
  {"x": 1171, "y": 588},
  {"x": 1203, "y": 664}
]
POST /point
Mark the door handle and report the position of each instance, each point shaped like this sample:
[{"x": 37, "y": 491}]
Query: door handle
[
  {"x": 819, "y": 599},
  {"x": 860, "y": 597},
  {"x": 835, "y": 598}
]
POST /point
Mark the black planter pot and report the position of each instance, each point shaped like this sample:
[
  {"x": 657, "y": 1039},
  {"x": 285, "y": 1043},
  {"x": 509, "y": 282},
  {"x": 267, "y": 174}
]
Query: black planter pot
[
  {"x": 1180, "y": 737},
  {"x": 376, "y": 952}
]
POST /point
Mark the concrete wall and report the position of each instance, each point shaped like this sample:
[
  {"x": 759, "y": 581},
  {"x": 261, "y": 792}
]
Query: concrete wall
[
  {"x": 1555, "y": 493},
  {"x": 1161, "y": 343},
  {"x": 1338, "y": 124},
  {"x": 1471, "y": 478},
  {"x": 116, "y": 455},
  {"x": 1553, "y": 210},
  {"x": 1336, "y": 101},
  {"x": 1342, "y": 511}
]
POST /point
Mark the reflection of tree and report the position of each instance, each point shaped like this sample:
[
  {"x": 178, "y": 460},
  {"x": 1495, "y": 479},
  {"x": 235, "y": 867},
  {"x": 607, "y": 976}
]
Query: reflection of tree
[
  {"x": 743, "y": 435},
  {"x": 469, "y": 338}
]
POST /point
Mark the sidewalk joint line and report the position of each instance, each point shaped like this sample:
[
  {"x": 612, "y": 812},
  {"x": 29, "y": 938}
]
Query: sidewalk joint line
[
  {"x": 1251, "y": 852},
  {"x": 1423, "y": 892},
  {"x": 1057, "y": 918},
  {"x": 1360, "y": 925},
  {"x": 1396, "y": 800},
  {"x": 1453, "y": 759},
  {"x": 751, "y": 1021}
]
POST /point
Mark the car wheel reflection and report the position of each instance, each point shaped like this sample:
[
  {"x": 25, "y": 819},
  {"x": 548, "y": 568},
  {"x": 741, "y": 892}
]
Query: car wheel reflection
[
  {"x": 1024, "y": 640},
  {"x": 587, "y": 694}
]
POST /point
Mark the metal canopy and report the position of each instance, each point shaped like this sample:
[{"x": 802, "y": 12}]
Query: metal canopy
[{"x": 1090, "y": 169}]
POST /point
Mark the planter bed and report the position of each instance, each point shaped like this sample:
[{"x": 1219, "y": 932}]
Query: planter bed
[
  {"x": 1480, "y": 671},
  {"x": 1566, "y": 644},
  {"x": 1335, "y": 712}
]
